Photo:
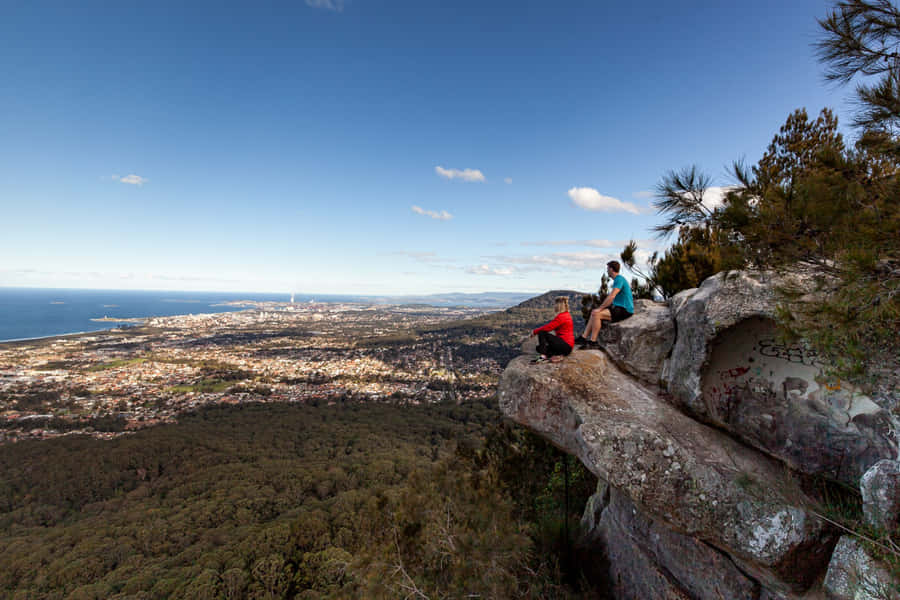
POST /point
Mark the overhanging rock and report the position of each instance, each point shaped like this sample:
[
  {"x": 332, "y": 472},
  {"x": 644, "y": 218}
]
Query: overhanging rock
[
  {"x": 687, "y": 476},
  {"x": 720, "y": 302},
  {"x": 729, "y": 368}
]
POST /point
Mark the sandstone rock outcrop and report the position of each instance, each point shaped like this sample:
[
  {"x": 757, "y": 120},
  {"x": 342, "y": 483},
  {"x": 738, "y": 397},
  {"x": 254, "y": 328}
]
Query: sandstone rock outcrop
[
  {"x": 640, "y": 344},
  {"x": 721, "y": 302},
  {"x": 695, "y": 479},
  {"x": 694, "y": 417},
  {"x": 729, "y": 368},
  {"x": 880, "y": 490},
  {"x": 854, "y": 575},
  {"x": 649, "y": 560}
]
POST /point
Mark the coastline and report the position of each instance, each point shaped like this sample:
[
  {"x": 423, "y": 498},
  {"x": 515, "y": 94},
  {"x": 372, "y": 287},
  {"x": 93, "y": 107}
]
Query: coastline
[
  {"x": 112, "y": 324},
  {"x": 52, "y": 337},
  {"x": 29, "y": 315},
  {"x": 122, "y": 320},
  {"x": 141, "y": 321}
]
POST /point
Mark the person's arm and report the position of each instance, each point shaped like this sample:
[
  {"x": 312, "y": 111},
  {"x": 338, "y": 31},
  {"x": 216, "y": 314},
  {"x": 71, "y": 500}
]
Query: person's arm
[
  {"x": 556, "y": 322},
  {"x": 607, "y": 302}
]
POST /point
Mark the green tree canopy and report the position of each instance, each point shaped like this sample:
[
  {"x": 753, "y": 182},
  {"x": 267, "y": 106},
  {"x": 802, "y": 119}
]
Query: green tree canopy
[
  {"x": 862, "y": 41},
  {"x": 812, "y": 205}
]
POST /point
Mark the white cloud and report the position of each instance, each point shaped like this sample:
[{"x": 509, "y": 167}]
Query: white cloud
[
  {"x": 556, "y": 243},
  {"x": 591, "y": 199},
  {"x": 616, "y": 245},
  {"x": 714, "y": 197},
  {"x": 131, "y": 179},
  {"x": 335, "y": 5},
  {"x": 464, "y": 174},
  {"x": 573, "y": 261},
  {"x": 442, "y": 216},
  {"x": 591, "y": 243},
  {"x": 488, "y": 270},
  {"x": 642, "y": 259},
  {"x": 507, "y": 180},
  {"x": 643, "y": 195}
]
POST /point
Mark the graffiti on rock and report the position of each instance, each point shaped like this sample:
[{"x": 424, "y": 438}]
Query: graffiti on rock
[{"x": 796, "y": 353}]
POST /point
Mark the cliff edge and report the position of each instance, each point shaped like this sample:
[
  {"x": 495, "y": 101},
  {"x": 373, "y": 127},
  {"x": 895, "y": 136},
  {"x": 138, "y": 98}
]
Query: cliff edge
[{"x": 702, "y": 427}]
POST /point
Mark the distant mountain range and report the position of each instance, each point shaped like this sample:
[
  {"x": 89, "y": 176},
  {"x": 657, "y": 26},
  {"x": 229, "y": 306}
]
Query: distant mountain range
[
  {"x": 497, "y": 300},
  {"x": 503, "y": 331},
  {"x": 486, "y": 300},
  {"x": 547, "y": 299},
  {"x": 480, "y": 300}
]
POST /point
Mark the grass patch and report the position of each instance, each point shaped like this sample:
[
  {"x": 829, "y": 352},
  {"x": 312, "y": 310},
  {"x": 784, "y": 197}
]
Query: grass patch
[
  {"x": 58, "y": 365},
  {"x": 115, "y": 364},
  {"x": 842, "y": 507},
  {"x": 204, "y": 386}
]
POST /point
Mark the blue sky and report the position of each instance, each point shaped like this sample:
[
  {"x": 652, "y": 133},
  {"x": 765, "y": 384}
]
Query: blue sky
[{"x": 327, "y": 146}]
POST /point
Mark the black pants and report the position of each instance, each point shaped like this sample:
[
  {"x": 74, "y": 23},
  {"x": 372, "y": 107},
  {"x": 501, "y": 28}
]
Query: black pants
[{"x": 550, "y": 345}]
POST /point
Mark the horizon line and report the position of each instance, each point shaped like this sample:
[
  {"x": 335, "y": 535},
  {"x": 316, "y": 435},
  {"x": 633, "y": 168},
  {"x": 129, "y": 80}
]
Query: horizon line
[{"x": 304, "y": 293}]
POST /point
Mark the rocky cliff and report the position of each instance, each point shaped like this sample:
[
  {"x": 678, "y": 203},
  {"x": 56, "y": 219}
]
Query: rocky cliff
[{"x": 705, "y": 431}]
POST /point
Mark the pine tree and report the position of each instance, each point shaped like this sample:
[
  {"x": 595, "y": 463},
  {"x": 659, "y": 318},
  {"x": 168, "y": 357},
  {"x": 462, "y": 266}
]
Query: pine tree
[
  {"x": 813, "y": 207},
  {"x": 700, "y": 250},
  {"x": 862, "y": 40}
]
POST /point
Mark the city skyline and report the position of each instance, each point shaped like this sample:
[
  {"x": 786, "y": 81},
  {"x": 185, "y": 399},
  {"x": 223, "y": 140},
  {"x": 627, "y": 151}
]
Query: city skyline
[{"x": 342, "y": 147}]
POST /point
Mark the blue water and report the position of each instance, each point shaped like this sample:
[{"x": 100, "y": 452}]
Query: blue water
[
  {"x": 31, "y": 313},
  {"x": 27, "y": 313}
]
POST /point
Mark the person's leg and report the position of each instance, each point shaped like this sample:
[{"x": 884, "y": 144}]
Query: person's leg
[
  {"x": 556, "y": 346},
  {"x": 596, "y": 323},
  {"x": 589, "y": 327},
  {"x": 543, "y": 343}
]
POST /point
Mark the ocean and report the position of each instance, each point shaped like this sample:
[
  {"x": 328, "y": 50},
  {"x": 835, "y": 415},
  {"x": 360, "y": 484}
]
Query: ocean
[{"x": 27, "y": 313}]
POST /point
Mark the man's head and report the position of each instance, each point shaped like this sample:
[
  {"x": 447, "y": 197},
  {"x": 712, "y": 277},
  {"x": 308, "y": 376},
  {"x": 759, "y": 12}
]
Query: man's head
[{"x": 613, "y": 266}]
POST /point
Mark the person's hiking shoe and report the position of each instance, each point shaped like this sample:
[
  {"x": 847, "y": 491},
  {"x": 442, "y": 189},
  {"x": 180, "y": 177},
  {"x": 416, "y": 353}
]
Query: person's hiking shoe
[
  {"x": 580, "y": 339},
  {"x": 589, "y": 345},
  {"x": 538, "y": 360}
]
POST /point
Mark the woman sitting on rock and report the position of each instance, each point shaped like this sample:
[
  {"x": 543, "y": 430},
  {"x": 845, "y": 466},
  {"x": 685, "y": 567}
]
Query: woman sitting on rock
[{"x": 549, "y": 345}]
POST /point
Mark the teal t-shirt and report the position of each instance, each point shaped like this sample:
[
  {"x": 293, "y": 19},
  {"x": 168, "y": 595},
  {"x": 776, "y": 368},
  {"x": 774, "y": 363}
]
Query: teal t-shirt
[{"x": 623, "y": 298}]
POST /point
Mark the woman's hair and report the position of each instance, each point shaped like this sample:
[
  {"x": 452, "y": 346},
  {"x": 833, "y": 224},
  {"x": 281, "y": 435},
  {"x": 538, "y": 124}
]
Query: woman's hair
[{"x": 561, "y": 303}]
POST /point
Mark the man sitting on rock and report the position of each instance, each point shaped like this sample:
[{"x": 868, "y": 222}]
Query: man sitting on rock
[{"x": 617, "y": 306}]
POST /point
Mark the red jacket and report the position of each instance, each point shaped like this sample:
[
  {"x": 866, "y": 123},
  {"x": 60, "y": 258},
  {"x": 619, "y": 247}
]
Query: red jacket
[{"x": 562, "y": 323}]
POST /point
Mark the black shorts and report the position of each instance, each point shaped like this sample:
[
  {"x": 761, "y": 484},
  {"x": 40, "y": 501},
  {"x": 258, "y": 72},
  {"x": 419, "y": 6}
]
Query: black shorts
[{"x": 618, "y": 313}]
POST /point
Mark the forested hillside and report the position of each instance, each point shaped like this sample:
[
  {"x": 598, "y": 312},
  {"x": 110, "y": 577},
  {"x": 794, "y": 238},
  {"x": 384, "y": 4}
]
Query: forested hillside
[{"x": 278, "y": 501}]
